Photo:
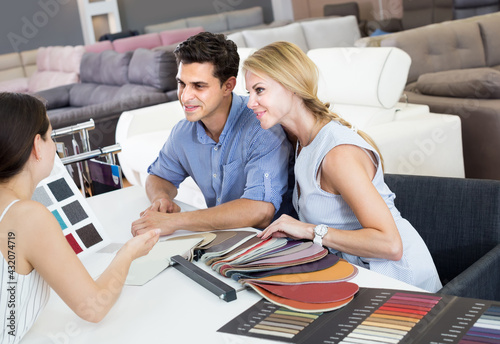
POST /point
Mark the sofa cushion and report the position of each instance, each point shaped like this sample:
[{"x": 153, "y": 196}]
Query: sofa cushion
[
  {"x": 176, "y": 24},
  {"x": 147, "y": 41},
  {"x": 99, "y": 47},
  {"x": 292, "y": 33},
  {"x": 439, "y": 47},
  {"x": 137, "y": 90},
  {"x": 88, "y": 93},
  {"x": 49, "y": 79},
  {"x": 57, "y": 97},
  {"x": 245, "y": 18},
  {"x": 490, "y": 27},
  {"x": 154, "y": 68},
  {"x": 238, "y": 39},
  {"x": 476, "y": 83},
  {"x": 240, "y": 87},
  {"x": 211, "y": 23},
  {"x": 383, "y": 71},
  {"x": 11, "y": 66},
  {"x": 169, "y": 37},
  {"x": 28, "y": 57},
  {"x": 108, "y": 67},
  {"x": 331, "y": 32}
]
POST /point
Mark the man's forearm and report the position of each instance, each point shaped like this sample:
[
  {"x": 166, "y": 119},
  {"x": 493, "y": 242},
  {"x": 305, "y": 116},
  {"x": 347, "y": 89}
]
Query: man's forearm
[
  {"x": 157, "y": 188},
  {"x": 235, "y": 214}
]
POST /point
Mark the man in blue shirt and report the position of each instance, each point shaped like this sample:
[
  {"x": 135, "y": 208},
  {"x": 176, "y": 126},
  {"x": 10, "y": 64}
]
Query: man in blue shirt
[{"x": 241, "y": 168}]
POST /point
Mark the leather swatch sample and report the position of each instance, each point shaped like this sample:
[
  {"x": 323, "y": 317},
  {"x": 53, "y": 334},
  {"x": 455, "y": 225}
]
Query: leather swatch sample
[
  {"x": 231, "y": 242},
  {"x": 234, "y": 252},
  {"x": 208, "y": 237},
  {"x": 343, "y": 270},
  {"x": 220, "y": 237},
  {"x": 312, "y": 292},
  {"x": 300, "y": 306},
  {"x": 321, "y": 264},
  {"x": 145, "y": 268}
]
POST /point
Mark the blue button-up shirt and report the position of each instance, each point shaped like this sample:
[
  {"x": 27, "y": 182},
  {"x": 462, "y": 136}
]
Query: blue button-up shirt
[{"x": 247, "y": 162}]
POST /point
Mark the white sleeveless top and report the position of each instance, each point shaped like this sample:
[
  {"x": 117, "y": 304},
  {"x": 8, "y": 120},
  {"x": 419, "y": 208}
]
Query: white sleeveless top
[
  {"x": 22, "y": 298},
  {"x": 316, "y": 206}
]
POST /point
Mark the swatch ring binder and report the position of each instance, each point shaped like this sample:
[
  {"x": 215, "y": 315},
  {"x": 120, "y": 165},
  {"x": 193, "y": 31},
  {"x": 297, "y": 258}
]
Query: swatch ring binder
[{"x": 216, "y": 286}]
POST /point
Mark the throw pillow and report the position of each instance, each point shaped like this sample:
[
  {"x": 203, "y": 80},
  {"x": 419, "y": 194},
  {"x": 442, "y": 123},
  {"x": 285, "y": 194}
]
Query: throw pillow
[{"x": 479, "y": 83}]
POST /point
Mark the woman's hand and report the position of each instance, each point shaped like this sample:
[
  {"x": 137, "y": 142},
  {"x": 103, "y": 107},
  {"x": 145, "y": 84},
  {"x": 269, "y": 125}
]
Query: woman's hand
[
  {"x": 287, "y": 226},
  {"x": 141, "y": 244}
]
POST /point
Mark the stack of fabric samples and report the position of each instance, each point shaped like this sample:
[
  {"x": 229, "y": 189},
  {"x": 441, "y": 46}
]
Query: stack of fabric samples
[{"x": 295, "y": 274}]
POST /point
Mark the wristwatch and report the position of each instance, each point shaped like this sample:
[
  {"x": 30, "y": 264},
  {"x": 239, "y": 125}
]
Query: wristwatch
[{"x": 319, "y": 232}]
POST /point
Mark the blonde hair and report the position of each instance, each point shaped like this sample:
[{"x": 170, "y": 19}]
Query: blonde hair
[{"x": 288, "y": 65}]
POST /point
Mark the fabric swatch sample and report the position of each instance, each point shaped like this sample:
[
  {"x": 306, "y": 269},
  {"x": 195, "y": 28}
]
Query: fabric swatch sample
[
  {"x": 74, "y": 212},
  {"x": 72, "y": 242},
  {"x": 41, "y": 196},
  {"x": 145, "y": 268},
  {"x": 59, "y": 219},
  {"x": 60, "y": 189},
  {"x": 89, "y": 235}
]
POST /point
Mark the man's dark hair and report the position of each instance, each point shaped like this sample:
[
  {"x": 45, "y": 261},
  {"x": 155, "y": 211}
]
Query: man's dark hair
[{"x": 212, "y": 48}]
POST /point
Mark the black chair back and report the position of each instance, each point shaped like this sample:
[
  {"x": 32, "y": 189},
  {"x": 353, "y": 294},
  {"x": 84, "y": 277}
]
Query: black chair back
[{"x": 459, "y": 219}]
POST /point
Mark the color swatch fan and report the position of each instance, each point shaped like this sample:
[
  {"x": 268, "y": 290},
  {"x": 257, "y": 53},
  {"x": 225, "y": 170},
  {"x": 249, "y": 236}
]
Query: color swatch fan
[
  {"x": 298, "y": 275},
  {"x": 59, "y": 194}
]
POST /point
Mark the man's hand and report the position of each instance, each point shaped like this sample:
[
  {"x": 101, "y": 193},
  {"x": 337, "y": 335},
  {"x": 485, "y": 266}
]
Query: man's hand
[
  {"x": 152, "y": 219},
  {"x": 163, "y": 205}
]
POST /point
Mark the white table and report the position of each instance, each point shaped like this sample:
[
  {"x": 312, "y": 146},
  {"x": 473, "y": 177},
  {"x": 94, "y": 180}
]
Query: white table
[{"x": 171, "y": 308}]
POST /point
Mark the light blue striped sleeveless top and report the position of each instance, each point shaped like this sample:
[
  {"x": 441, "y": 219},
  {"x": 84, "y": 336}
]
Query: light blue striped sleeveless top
[
  {"x": 318, "y": 206},
  {"x": 29, "y": 293}
]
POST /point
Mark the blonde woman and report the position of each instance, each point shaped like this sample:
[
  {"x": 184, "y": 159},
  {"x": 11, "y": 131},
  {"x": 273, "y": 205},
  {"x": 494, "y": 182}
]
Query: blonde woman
[
  {"x": 34, "y": 253},
  {"x": 340, "y": 195}
]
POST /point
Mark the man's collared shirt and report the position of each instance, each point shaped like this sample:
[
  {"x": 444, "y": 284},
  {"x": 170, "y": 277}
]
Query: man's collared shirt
[{"x": 247, "y": 162}]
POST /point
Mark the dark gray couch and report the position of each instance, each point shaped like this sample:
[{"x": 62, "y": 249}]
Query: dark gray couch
[
  {"x": 459, "y": 220},
  {"x": 111, "y": 83},
  {"x": 455, "y": 69}
]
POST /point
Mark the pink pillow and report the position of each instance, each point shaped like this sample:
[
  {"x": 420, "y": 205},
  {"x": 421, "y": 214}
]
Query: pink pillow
[
  {"x": 147, "y": 41},
  {"x": 175, "y": 36},
  {"x": 99, "y": 47},
  {"x": 14, "y": 85},
  {"x": 60, "y": 59}
]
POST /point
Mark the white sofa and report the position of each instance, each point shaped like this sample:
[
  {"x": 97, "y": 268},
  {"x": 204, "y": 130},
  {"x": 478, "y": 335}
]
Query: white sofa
[
  {"x": 309, "y": 34},
  {"x": 364, "y": 86}
]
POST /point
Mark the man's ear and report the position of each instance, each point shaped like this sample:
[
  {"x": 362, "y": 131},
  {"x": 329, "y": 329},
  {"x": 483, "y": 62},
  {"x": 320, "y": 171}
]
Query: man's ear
[{"x": 229, "y": 85}]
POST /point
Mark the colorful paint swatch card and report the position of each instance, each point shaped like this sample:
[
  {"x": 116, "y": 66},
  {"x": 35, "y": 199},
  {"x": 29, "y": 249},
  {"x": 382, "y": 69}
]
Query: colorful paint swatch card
[
  {"x": 378, "y": 316},
  {"x": 59, "y": 194}
]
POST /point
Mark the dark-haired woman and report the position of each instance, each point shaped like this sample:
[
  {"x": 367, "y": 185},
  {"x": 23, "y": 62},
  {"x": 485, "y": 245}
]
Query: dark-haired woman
[{"x": 35, "y": 254}]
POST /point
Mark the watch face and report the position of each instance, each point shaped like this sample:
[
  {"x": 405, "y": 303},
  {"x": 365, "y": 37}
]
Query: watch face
[{"x": 321, "y": 230}]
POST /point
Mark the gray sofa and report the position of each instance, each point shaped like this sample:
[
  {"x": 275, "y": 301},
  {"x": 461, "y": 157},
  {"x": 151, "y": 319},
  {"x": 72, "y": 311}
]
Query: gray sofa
[
  {"x": 459, "y": 220},
  {"x": 456, "y": 70},
  {"x": 225, "y": 22},
  {"x": 111, "y": 83}
]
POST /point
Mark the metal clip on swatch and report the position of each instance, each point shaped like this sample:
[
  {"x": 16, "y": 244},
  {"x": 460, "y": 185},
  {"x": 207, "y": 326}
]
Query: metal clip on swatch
[{"x": 216, "y": 286}]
